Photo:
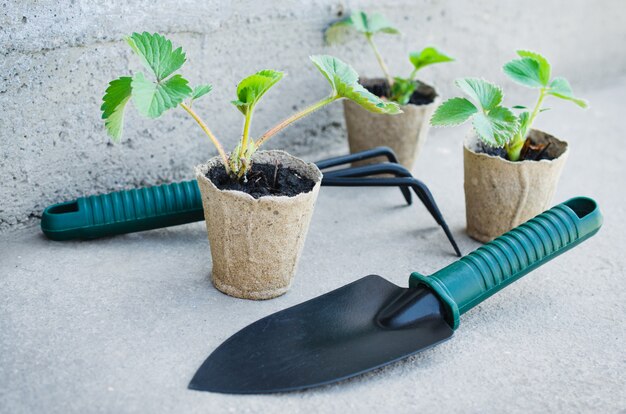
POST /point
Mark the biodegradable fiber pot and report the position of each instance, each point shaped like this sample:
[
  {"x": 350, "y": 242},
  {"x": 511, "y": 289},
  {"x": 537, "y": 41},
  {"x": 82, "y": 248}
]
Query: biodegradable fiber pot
[
  {"x": 256, "y": 243},
  {"x": 404, "y": 133},
  {"x": 500, "y": 194}
]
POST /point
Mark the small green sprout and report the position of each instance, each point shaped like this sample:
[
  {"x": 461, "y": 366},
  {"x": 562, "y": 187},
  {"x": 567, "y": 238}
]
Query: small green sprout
[
  {"x": 169, "y": 90},
  {"x": 401, "y": 89},
  {"x": 496, "y": 125}
]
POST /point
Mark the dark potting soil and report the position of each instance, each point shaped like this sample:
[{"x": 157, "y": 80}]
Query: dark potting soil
[
  {"x": 530, "y": 151},
  {"x": 380, "y": 88},
  {"x": 483, "y": 148},
  {"x": 263, "y": 180}
]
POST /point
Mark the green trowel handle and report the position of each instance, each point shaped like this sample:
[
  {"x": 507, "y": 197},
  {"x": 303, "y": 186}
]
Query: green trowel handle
[
  {"x": 493, "y": 266},
  {"x": 123, "y": 212}
]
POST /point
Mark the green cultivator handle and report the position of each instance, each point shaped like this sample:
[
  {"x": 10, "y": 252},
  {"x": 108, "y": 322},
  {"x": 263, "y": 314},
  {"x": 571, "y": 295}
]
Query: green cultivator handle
[
  {"x": 493, "y": 266},
  {"x": 123, "y": 212}
]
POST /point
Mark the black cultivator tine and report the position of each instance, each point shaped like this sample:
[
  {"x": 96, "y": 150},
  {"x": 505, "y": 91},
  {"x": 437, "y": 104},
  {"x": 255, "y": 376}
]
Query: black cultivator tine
[
  {"x": 358, "y": 156},
  {"x": 420, "y": 189},
  {"x": 375, "y": 169}
]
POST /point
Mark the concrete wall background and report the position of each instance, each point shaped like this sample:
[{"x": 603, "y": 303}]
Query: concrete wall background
[{"x": 56, "y": 59}]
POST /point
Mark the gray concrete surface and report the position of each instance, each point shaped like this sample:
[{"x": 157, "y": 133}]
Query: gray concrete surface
[
  {"x": 120, "y": 325},
  {"x": 57, "y": 57}
]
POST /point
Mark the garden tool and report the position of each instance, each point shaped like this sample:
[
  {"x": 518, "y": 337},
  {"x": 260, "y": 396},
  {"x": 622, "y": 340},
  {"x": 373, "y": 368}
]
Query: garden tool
[
  {"x": 372, "y": 322},
  {"x": 167, "y": 205}
]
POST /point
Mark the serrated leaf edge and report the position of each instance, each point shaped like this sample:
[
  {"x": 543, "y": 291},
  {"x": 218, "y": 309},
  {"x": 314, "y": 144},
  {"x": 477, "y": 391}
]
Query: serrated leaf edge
[
  {"x": 452, "y": 124},
  {"x": 484, "y": 80}
]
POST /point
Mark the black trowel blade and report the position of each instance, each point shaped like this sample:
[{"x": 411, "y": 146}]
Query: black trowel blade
[{"x": 326, "y": 339}]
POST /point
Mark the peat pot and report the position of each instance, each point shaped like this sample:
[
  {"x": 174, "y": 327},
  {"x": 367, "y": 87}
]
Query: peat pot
[
  {"x": 404, "y": 133},
  {"x": 256, "y": 242},
  {"x": 500, "y": 194}
]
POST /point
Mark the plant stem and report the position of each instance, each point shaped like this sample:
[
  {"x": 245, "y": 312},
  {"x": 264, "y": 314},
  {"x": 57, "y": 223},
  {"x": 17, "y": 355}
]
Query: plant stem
[
  {"x": 246, "y": 133},
  {"x": 537, "y": 108},
  {"x": 514, "y": 147},
  {"x": 285, "y": 123},
  {"x": 208, "y": 132},
  {"x": 413, "y": 74},
  {"x": 380, "y": 60}
]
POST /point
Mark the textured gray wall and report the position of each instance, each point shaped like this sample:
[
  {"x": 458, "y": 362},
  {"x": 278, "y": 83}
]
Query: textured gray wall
[{"x": 57, "y": 57}]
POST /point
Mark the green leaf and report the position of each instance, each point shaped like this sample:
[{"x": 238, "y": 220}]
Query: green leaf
[
  {"x": 152, "y": 99},
  {"x": 505, "y": 122},
  {"x": 114, "y": 101},
  {"x": 402, "y": 90},
  {"x": 336, "y": 32},
  {"x": 371, "y": 23},
  {"x": 518, "y": 107},
  {"x": 428, "y": 56},
  {"x": 156, "y": 53},
  {"x": 561, "y": 88},
  {"x": 487, "y": 95},
  {"x": 497, "y": 127},
  {"x": 359, "y": 95},
  {"x": 483, "y": 128},
  {"x": 251, "y": 89},
  {"x": 452, "y": 112},
  {"x": 200, "y": 91},
  {"x": 344, "y": 81},
  {"x": 334, "y": 70},
  {"x": 544, "y": 65},
  {"x": 368, "y": 24},
  {"x": 525, "y": 71},
  {"x": 524, "y": 119}
]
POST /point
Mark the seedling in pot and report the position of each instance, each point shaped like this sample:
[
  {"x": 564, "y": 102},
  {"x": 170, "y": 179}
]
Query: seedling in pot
[
  {"x": 401, "y": 89},
  {"x": 496, "y": 125},
  {"x": 258, "y": 257},
  {"x": 169, "y": 90}
]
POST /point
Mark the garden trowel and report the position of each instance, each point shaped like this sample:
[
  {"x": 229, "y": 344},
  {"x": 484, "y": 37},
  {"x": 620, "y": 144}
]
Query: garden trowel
[{"x": 372, "y": 322}]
